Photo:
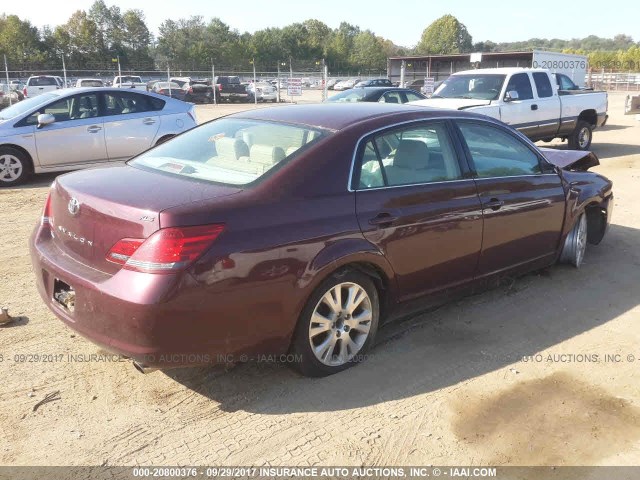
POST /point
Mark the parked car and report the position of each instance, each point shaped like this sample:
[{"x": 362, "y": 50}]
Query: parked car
[
  {"x": 375, "y": 82},
  {"x": 151, "y": 83},
  {"x": 416, "y": 85},
  {"x": 196, "y": 91},
  {"x": 129, "y": 81},
  {"x": 8, "y": 96},
  {"x": 70, "y": 129},
  {"x": 184, "y": 256},
  {"x": 346, "y": 84},
  {"x": 526, "y": 99},
  {"x": 332, "y": 83},
  {"x": 169, "y": 89},
  {"x": 89, "y": 82},
  {"x": 40, "y": 84},
  {"x": 377, "y": 94},
  {"x": 231, "y": 89},
  {"x": 266, "y": 92}
]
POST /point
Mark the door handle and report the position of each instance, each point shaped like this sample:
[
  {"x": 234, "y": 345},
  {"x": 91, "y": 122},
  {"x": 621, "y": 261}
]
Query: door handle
[
  {"x": 94, "y": 129},
  {"x": 534, "y": 107},
  {"x": 383, "y": 219},
  {"x": 148, "y": 121},
  {"x": 494, "y": 204}
]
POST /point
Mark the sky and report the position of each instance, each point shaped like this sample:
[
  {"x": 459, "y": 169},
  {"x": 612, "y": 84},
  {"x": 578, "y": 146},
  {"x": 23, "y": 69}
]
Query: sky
[{"x": 401, "y": 22}]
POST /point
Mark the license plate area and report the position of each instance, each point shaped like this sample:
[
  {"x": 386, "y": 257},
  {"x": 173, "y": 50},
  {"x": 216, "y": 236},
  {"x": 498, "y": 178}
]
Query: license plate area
[{"x": 64, "y": 295}]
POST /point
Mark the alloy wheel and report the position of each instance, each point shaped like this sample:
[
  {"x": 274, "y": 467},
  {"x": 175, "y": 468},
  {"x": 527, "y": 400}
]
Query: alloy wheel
[{"x": 340, "y": 324}]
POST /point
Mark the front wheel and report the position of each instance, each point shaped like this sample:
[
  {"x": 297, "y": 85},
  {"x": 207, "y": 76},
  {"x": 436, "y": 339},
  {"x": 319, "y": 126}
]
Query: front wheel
[
  {"x": 15, "y": 167},
  {"x": 575, "y": 244},
  {"x": 337, "y": 325},
  {"x": 581, "y": 137}
]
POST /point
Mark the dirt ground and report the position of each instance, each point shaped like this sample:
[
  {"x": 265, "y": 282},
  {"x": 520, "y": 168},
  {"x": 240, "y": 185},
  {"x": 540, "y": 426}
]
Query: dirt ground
[{"x": 541, "y": 371}]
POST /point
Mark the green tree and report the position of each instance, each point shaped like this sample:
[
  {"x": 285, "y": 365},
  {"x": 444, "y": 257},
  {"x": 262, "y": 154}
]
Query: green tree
[
  {"x": 368, "y": 51},
  {"x": 19, "y": 40},
  {"x": 445, "y": 36}
]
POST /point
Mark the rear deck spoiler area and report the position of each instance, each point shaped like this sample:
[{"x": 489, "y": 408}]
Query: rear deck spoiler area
[{"x": 575, "y": 160}]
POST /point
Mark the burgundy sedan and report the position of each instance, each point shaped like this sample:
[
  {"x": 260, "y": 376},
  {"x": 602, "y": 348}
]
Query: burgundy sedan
[{"x": 301, "y": 229}]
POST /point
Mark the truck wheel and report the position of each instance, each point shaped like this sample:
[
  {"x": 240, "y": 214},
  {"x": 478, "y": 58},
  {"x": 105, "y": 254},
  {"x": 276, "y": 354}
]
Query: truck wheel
[
  {"x": 15, "y": 167},
  {"x": 581, "y": 137}
]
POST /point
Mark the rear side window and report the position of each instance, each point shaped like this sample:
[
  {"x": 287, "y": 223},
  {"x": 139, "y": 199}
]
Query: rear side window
[
  {"x": 520, "y": 83},
  {"x": 421, "y": 154},
  {"x": 123, "y": 103},
  {"x": 42, "y": 82},
  {"x": 543, "y": 85}
]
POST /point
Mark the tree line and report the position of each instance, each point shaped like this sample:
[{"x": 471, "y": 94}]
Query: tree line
[{"x": 92, "y": 39}]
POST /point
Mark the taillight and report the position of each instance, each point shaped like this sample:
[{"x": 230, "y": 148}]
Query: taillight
[
  {"x": 47, "y": 213},
  {"x": 220, "y": 87},
  {"x": 24, "y": 91},
  {"x": 166, "y": 251},
  {"x": 190, "y": 90}
]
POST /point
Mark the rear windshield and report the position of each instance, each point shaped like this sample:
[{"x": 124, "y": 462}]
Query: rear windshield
[
  {"x": 42, "y": 82},
  {"x": 229, "y": 151},
  {"x": 91, "y": 83},
  {"x": 356, "y": 95},
  {"x": 130, "y": 80},
  {"x": 229, "y": 80}
]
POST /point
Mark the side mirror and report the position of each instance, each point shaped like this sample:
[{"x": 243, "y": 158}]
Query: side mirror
[
  {"x": 511, "y": 95},
  {"x": 45, "y": 119}
]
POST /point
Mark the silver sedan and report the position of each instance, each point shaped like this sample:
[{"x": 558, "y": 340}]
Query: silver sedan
[{"x": 84, "y": 127}]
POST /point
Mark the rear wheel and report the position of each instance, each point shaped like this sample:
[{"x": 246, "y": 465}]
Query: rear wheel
[
  {"x": 581, "y": 137},
  {"x": 575, "y": 244},
  {"x": 337, "y": 325},
  {"x": 15, "y": 167}
]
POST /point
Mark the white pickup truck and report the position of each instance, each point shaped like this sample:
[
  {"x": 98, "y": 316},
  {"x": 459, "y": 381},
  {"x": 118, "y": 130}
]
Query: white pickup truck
[
  {"x": 39, "y": 84},
  {"x": 129, "y": 81},
  {"x": 528, "y": 100}
]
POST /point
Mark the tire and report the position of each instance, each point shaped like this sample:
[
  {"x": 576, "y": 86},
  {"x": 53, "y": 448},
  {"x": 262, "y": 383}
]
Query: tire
[
  {"x": 15, "y": 167},
  {"x": 575, "y": 245},
  {"x": 580, "y": 138},
  {"x": 320, "y": 347}
]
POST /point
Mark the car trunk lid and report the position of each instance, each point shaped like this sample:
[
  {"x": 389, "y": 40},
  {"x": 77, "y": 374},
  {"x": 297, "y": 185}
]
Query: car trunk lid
[{"x": 93, "y": 209}]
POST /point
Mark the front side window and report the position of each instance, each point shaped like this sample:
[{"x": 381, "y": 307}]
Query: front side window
[
  {"x": 496, "y": 153},
  {"x": 520, "y": 83},
  {"x": 77, "y": 107},
  {"x": 229, "y": 151},
  {"x": 408, "y": 156}
]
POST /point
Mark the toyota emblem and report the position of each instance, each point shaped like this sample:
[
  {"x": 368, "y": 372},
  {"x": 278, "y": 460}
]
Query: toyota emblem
[{"x": 74, "y": 206}]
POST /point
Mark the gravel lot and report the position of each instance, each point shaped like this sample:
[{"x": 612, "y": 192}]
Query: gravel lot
[{"x": 447, "y": 387}]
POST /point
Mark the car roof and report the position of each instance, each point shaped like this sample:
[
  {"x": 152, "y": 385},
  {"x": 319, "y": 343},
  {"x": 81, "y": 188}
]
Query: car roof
[{"x": 337, "y": 116}]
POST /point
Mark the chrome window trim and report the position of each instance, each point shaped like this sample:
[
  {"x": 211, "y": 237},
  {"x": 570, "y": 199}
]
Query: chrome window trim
[{"x": 422, "y": 120}]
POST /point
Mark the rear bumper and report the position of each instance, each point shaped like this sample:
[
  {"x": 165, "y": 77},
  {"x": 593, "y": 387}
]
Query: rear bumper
[
  {"x": 602, "y": 119},
  {"x": 160, "y": 321}
]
